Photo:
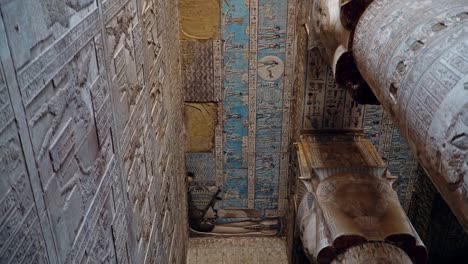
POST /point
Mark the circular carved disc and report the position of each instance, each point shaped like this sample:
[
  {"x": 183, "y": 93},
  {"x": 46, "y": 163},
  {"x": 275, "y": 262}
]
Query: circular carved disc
[{"x": 270, "y": 68}]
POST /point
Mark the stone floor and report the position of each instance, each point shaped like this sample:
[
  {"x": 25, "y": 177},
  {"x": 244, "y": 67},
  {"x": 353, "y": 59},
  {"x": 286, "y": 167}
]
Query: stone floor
[{"x": 237, "y": 251}]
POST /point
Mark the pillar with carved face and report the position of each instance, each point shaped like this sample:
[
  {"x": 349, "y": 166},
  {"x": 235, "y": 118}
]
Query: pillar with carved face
[
  {"x": 412, "y": 57},
  {"x": 347, "y": 204}
]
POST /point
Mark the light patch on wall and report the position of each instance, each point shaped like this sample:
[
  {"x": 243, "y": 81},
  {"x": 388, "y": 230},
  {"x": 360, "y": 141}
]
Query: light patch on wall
[
  {"x": 200, "y": 19},
  {"x": 200, "y": 120}
]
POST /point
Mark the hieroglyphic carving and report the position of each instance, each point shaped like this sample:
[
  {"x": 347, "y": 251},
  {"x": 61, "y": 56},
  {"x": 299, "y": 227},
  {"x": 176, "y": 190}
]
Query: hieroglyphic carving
[
  {"x": 151, "y": 13},
  {"x": 70, "y": 64},
  {"x": 119, "y": 223},
  {"x": 62, "y": 146},
  {"x": 315, "y": 90},
  {"x": 253, "y": 73},
  {"x": 166, "y": 121},
  {"x": 69, "y": 84},
  {"x": 217, "y": 69},
  {"x": 34, "y": 76},
  {"x": 271, "y": 90},
  {"x": 125, "y": 70},
  {"x": 101, "y": 248},
  {"x": 423, "y": 92},
  {"x": 326, "y": 105},
  {"x": 216, "y": 249},
  {"x": 103, "y": 120},
  {"x": 334, "y": 22},
  {"x": 300, "y": 80},
  {"x": 287, "y": 98},
  {"x": 235, "y": 100},
  {"x": 25, "y": 243},
  {"x": 130, "y": 37},
  {"x": 270, "y": 68},
  {"x": 134, "y": 167},
  {"x": 385, "y": 137},
  {"x": 20, "y": 233},
  {"x": 218, "y": 97},
  {"x": 61, "y": 126},
  {"x": 77, "y": 252},
  {"x": 163, "y": 141},
  {"x": 255, "y": 93}
]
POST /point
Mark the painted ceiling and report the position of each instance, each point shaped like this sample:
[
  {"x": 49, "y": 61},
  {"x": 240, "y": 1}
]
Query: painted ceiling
[
  {"x": 255, "y": 79},
  {"x": 239, "y": 70},
  {"x": 246, "y": 68}
]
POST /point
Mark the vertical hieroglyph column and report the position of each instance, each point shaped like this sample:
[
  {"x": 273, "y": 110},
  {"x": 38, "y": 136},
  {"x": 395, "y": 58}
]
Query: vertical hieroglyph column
[{"x": 414, "y": 56}]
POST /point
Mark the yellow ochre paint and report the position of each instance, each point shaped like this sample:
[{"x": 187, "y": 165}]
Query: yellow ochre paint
[{"x": 199, "y": 19}]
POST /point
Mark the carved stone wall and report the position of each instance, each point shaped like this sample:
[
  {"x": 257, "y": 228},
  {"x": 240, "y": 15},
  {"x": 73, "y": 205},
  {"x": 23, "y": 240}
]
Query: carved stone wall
[
  {"x": 21, "y": 217},
  {"x": 394, "y": 150},
  {"x": 91, "y": 138},
  {"x": 328, "y": 108},
  {"x": 300, "y": 77}
]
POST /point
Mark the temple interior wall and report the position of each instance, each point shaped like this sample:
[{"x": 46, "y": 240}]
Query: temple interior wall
[
  {"x": 101, "y": 106},
  {"x": 91, "y": 138}
]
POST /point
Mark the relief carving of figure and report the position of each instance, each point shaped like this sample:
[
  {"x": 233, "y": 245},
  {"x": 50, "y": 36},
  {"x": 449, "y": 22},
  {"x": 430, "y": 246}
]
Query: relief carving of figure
[
  {"x": 122, "y": 27},
  {"x": 67, "y": 96},
  {"x": 203, "y": 215},
  {"x": 59, "y": 10},
  {"x": 10, "y": 156}
]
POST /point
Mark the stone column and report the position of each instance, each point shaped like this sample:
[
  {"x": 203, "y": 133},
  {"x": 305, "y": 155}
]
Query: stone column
[
  {"x": 371, "y": 253},
  {"x": 344, "y": 199},
  {"x": 414, "y": 57}
]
